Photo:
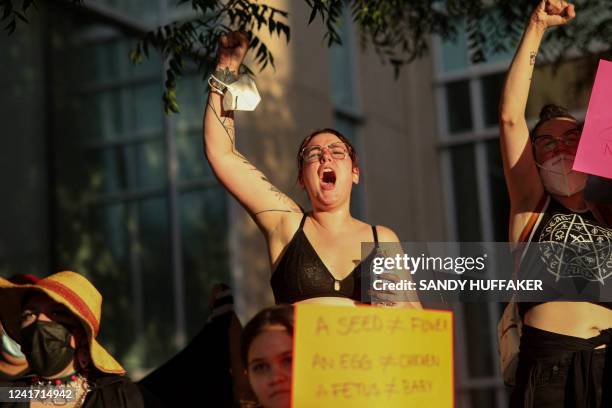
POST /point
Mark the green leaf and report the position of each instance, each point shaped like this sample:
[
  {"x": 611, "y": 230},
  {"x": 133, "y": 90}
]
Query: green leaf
[
  {"x": 313, "y": 15},
  {"x": 135, "y": 56},
  {"x": 11, "y": 26},
  {"x": 8, "y": 10},
  {"x": 20, "y": 16}
]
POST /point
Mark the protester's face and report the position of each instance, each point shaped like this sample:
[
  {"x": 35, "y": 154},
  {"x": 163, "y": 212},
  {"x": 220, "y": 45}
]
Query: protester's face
[
  {"x": 555, "y": 137},
  {"x": 328, "y": 172},
  {"x": 269, "y": 367},
  {"x": 40, "y": 307}
]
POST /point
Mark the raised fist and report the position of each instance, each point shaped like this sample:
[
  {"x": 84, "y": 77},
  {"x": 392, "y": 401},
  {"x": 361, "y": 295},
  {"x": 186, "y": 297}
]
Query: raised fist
[
  {"x": 553, "y": 13},
  {"x": 232, "y": 49}
]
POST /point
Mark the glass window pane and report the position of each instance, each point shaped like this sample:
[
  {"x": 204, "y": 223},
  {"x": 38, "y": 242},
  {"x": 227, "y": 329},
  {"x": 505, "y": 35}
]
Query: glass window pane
[
  {"x": 137, "y": 9},
  {"x": 190, "y": 152},
  {"x": 491, "y": 93},
  {"x": 24, "y": 146},
  {"x": 106, "y": 170},
  {"x": 158, "y": 282},
  {"x": 492, "y": 24},
  {"x": 191, "y": 161},
  {"x": 204, "y": 226},
  {"x": 148, "y": 67},
  {"x": 467, "y": 210},
  {"x": 192, "y": 94},
  {"x": 341, "y": 66},
  {"x": 500, "y": 201},
  {"x": 107, "y": 61},
  {"x": 146, "y": 110},
  {"x": 341, "y": 81},
  {"x": 179, "y": 9},
  {"x": 123, "y": 168},
  {"x": 458, "y": 106},
  {"x": 110, "y": 126},
  {"x": 349, "y": 129},
  {"x": 97, "y": 62},
  {"x": 98, "y": 116},
  {"x": 455, "y": 52},
  {"x": 95, "y": 244},
  {"x": 148, "y": 161}
]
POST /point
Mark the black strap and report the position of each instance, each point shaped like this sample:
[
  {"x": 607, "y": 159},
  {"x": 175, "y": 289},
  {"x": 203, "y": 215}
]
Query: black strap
[
  {"x": 302, "y": 222},
  {"x": 375, "y": 233}
]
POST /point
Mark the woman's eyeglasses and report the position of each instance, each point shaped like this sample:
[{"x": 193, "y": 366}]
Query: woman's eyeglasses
[
  {"x": 548, "y": 143},
  {"x": 313, "y": 154}
]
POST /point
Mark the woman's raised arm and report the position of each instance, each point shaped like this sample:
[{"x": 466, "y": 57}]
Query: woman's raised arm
[
  {"x": 264, "y": 202},
  {"x": 521, "y": 173}
]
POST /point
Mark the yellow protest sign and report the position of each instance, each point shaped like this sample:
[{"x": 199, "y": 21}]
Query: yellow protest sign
[{"x": 372, "y": 357}]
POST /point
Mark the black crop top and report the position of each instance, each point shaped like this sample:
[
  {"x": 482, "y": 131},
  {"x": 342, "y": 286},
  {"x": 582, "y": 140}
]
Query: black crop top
[
  {"x": 301, "y": 274},
  {"x": 578, "y": 259}
]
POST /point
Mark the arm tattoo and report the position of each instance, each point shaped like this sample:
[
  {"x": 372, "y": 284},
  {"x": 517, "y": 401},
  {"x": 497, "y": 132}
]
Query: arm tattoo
[
  {"x": 230, "y": 131},
  {"x": 280, "y": 196},
  {"x": 228, "y": 128},
  {"x": 265, "y": 211},
  {"x": 532, "y": 58}
]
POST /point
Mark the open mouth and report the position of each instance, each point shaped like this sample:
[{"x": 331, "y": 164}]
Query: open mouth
[{"x": 328, "y": 177}]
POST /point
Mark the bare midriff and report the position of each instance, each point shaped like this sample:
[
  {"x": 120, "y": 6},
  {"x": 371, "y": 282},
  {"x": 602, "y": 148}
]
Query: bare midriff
[
  {"x": 328, "y": 300},
  {"x": 577, "y": 319}
]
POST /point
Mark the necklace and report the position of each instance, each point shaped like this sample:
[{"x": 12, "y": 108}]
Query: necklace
[
  {"x": 64, "y": 386},
  {"x": 70, "y": 378},
  {"x": 84, "y": 391}
]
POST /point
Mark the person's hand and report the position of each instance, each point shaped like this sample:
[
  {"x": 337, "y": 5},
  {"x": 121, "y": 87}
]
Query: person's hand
[
  {"x": 551, "y": 13},
  {"x": 232, "y": 49}
]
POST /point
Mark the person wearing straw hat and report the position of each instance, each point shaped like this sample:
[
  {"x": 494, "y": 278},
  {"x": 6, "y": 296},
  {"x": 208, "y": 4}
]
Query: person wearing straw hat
[
  {"x": 56, "y": 322},
  {"x": 13, "y": 364}
]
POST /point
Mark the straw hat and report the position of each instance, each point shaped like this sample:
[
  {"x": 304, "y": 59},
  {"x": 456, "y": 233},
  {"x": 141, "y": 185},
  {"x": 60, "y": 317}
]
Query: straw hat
[{"x": 71, "y": 290}]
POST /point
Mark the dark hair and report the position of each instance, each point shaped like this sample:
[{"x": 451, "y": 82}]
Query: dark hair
[
  {"x": 276, "y": 315},
  {"x": 29, "y": 295},
  {"x": 37, "y": 292},
  {"x": 344, "y": 139},
  {"x": 548, "y": 112}
]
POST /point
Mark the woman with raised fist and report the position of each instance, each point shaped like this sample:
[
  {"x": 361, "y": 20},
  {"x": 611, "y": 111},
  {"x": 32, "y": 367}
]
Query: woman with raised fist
[
  {"x": 314, "y": 255},
  {"x": 561, "y": 360}
]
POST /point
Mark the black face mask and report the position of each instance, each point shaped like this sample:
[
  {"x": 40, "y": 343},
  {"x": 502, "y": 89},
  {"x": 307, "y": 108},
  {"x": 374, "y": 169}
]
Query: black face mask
[{"x": 46, "y": 346}]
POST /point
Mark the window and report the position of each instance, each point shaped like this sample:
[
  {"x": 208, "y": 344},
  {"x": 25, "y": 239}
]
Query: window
[
  {"x": 138, "y": 209},
  {"x": 476, "y": 201},
  {"x": 345, "y": 101}
]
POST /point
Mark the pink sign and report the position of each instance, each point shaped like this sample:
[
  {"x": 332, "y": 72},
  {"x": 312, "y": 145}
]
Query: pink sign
[{"x": 594, "y": 155}]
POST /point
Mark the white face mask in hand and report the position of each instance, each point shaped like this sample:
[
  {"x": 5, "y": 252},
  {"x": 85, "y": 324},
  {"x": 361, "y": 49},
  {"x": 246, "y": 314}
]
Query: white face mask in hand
[
  {"x": 559, "y": 178},
  {"x": 10, "y": 347},
  {"x": 241, "y": 95}
]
